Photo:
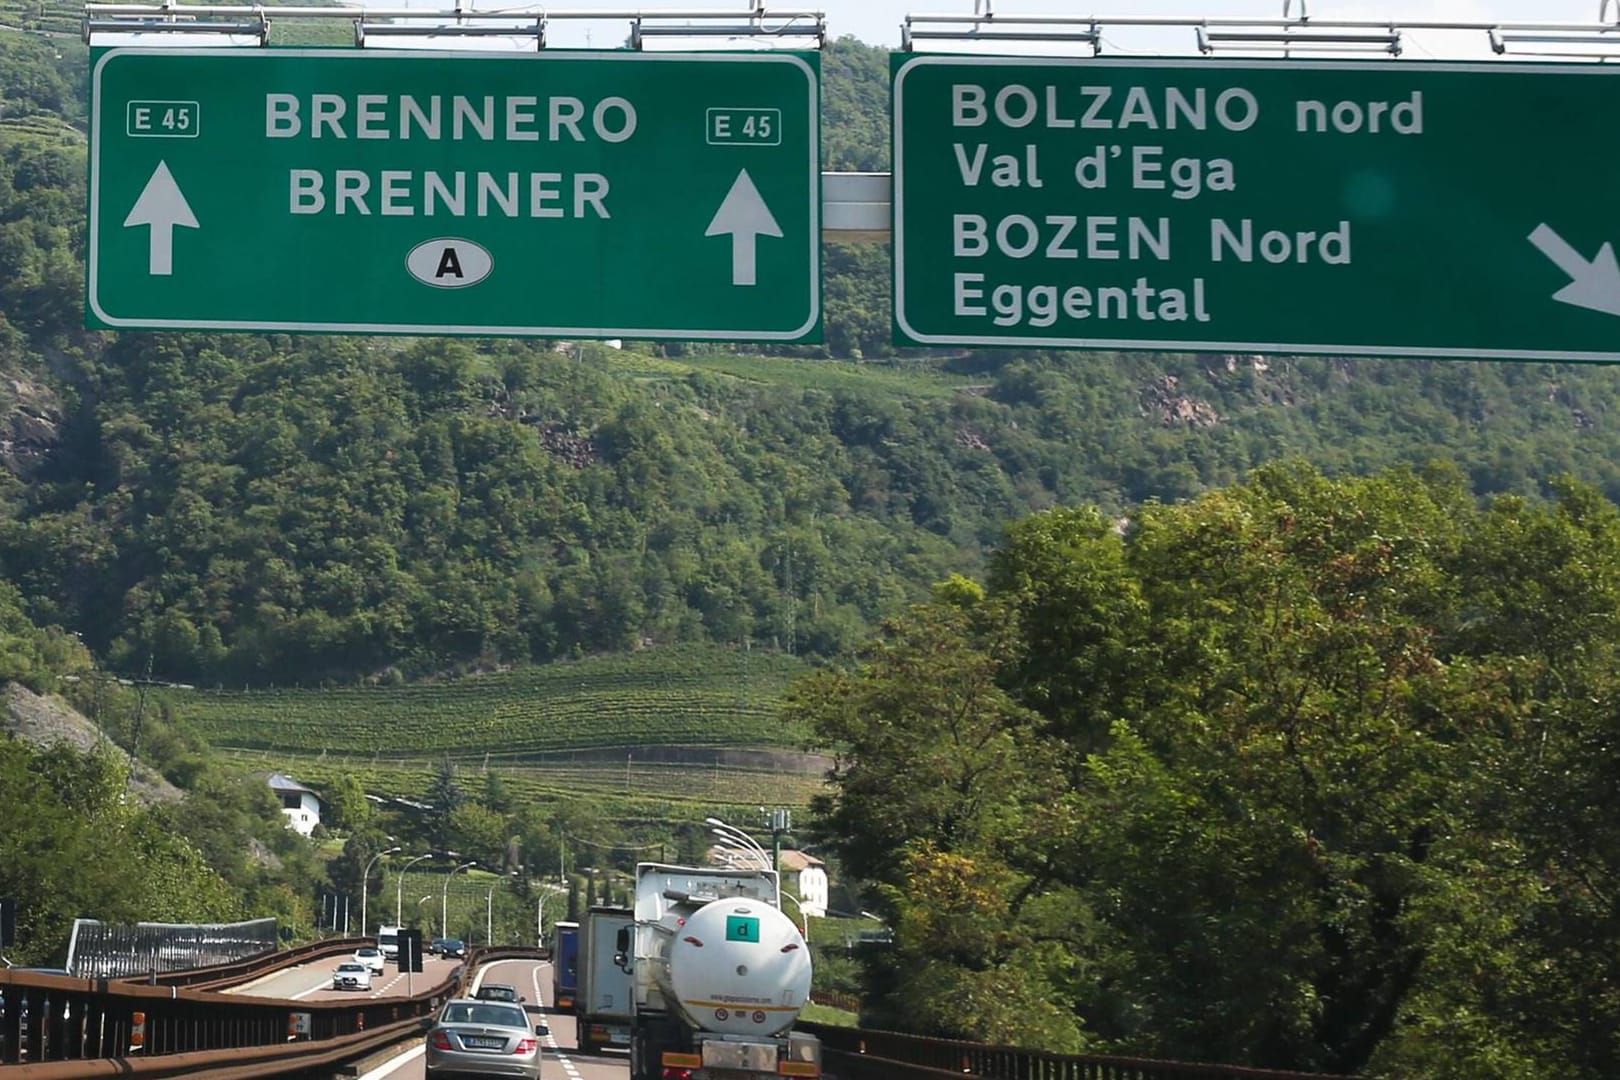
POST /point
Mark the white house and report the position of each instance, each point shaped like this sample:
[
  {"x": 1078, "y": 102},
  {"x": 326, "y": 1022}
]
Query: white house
[
  {"x": 812, "y": 881},
  {"x": 301, "y": 805}
]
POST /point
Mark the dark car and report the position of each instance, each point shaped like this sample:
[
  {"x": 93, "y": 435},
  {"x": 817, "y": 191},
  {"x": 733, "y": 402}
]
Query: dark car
[
  {"x": 436, "y": 946},
  {"x": 453, "y": 947},
  {"x": 498, "y": 992}
]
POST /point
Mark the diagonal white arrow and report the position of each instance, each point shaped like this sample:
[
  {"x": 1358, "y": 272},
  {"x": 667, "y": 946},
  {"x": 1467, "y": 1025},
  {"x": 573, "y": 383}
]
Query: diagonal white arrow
[
  {"x": 1594, "y": 285},
  {"x": 161, "y": 206},
  {"x": 745, "y": 216}
]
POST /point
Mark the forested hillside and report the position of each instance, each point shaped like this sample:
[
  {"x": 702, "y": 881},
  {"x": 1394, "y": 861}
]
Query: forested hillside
[{"x": 253, "y": 509}]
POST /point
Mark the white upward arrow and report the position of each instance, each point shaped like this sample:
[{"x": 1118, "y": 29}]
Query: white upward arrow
[
  {"x": 161, "y": 206},
  {"x": 745, "y": 216},
  {"x": 1594, "y": 285}
]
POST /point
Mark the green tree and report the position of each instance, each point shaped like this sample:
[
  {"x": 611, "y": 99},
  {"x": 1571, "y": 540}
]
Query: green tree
[
  {"x": 445, "y": 799},
  {"x": 345, "y": 804}
]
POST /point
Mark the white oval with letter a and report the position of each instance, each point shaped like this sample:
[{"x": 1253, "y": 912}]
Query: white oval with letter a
[{"x": 448, "y": 263}]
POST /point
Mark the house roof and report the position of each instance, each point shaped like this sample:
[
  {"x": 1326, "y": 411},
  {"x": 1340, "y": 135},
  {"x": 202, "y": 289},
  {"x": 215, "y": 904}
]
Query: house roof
[
  {"x": 792, "y": 861},
  {"x": 795, "y": 861},
  {"x": 286, "y": 783}
]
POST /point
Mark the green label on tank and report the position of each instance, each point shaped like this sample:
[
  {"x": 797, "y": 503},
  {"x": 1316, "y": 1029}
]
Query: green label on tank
[{"x": 742, "y": 928}]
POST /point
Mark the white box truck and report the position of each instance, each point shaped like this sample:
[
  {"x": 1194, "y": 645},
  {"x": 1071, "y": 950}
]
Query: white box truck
[
  {"x": 388, "y": 941},
  {"x": 604, "y": 1000}
]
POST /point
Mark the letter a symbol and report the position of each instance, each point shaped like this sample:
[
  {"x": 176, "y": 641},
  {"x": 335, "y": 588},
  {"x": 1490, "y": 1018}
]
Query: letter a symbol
[{"x": 449, "y": 264}]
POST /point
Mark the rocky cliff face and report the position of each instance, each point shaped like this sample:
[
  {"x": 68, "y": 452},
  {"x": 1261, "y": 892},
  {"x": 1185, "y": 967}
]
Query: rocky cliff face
[
  {"x": 30, "y": 424},
  {"x": 44, "y": 720}
]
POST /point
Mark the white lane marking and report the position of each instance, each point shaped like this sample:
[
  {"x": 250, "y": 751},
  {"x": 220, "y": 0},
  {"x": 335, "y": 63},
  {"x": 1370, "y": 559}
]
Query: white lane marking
[
  {"x": 393, "y": 1065},
  {"x": 563, "y": 1059},
  {"x": 324, "y": 984},
  {"x": 387, "y": 986}
]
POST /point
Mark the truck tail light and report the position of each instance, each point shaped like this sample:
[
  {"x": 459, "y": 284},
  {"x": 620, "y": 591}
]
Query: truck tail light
[{"x": 672, "y": 1072}]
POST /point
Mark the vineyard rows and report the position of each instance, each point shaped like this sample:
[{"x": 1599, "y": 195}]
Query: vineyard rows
[
  {"x": 51, "y": 18},
  {"x": 666, "y": 792},
  {"x": 687, "y": 696}
]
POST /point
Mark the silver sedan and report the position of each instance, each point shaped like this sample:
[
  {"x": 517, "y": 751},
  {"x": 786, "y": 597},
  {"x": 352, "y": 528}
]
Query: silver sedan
[{"x": 483, "y": 1038}]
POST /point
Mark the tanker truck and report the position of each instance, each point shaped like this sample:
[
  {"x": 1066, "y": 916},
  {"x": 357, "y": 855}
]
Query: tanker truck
[{"x": 719, "y": 974}]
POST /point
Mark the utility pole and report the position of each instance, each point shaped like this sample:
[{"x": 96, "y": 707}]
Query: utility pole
[
  {"x": 140, "y": 710},
  {"x": 781, "y": 823}
]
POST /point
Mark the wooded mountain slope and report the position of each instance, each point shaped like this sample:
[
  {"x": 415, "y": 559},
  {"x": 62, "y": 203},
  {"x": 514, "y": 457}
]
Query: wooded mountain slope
[{"x": 250, "y": 508}]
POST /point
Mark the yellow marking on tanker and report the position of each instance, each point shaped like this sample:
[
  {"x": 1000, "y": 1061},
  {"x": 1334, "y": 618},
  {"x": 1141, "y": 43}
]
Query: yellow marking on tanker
[
  {"x": 797, "y": 1068},
  {"x": 683, "y": 1061}
]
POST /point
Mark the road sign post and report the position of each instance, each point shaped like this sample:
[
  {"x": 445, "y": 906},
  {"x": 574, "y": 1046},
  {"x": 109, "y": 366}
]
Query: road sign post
[
  {"x": 569, "y": 194},
  {"x": 1370, "y": 208}
]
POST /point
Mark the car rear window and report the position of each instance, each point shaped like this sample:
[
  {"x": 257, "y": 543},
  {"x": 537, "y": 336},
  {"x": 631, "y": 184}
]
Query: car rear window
[{"x": 498, "y": 1015}]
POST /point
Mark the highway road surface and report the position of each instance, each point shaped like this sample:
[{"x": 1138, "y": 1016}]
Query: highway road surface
[
  {"x": 560, "y": 1062},
  {"x": 313, "y": 981}
]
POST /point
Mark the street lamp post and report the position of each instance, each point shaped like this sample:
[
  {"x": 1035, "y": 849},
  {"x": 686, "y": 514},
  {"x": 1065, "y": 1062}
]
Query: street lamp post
[
  {"x": 489, "y": 908},
  {"x": 733, "y": 835},
  {"x": 444, "y": 900},
  {"x": 365, "y": 883},
  {"x": 751, "y": 846},
  {"x": 803, "y": 917},
  {"x": 399, "y": 891},
  {"x": 540, "y": 912},
  {"x": 419, "y": 904}
]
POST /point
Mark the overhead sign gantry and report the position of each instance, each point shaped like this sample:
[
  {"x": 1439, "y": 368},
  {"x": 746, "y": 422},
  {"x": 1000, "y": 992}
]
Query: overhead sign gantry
[
  {"x": 567, "y": 194},
  {"x": 1293, "y": 206}
]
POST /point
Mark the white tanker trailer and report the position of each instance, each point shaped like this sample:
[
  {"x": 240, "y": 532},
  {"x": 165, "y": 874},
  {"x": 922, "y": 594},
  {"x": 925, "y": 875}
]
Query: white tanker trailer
[{"x": 719, "y": 975}]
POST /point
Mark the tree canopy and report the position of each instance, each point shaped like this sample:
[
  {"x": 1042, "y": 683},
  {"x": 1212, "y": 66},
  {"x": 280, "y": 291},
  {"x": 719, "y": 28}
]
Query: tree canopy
[{"x": 1304, "y": 773}]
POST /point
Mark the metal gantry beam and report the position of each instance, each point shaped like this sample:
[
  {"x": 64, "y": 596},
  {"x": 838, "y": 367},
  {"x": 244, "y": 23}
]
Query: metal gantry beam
[
  {"x": 460, "y": 21},
  {"x": 1290, "y": 34}
]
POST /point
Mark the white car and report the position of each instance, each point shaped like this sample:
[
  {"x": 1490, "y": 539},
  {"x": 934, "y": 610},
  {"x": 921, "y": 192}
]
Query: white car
[
  {"x": 351, "y": 975},
  {"x": 371, "y": 957}
]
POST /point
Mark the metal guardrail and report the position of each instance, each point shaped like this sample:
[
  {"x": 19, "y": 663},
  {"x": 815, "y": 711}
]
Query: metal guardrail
[
  {"x": 231, "y": 1064},
  {"x": 53, "y": 1027},
  {"x": 836, "y": 999},
  {"x": 57, "y": 1026},
  {"x": 219, "y": 976},
  {"x": 66, "y": 1026},
  {"x": 857, "y": 1054},
  {"x": 479, "y": 955}
]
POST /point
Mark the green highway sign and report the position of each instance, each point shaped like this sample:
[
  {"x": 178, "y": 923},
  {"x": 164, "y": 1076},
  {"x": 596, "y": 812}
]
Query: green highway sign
[
  {"x": 566, "y": 194},
  {"x": 1361, "y": 207}
]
